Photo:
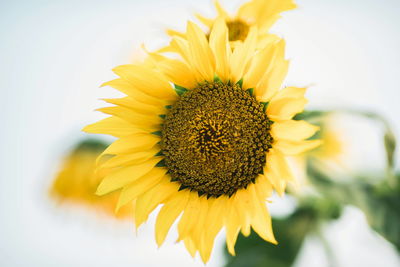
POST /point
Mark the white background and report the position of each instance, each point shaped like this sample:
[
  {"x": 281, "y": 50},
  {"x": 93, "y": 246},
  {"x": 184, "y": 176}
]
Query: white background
[{"x": 55, "y": 54}]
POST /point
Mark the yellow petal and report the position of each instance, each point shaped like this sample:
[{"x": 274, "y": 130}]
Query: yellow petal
[
  {"x": 146, "y": 80},
  {"x": 140, "y": 185},
  {"x": 136, "y": 142},
  {"x": 219, "y": 44},
  {"x": 232, "y": 224},
  {"x": 198, "y": 231},
  {"x": 181, "y": 46},
  {"x": 127, "y": 88},
  {"x": 296, "y": 147},
  {"x": 261, "y": 221},
  {"x": 168, "y": 214},
  {"x": 264, "y": 13},
  {"x": 277, "y": 171},
  {"x": 125, "y": 176},
  {"x": 266, "y": 39},
  {"x": 202, "y": 57},
  {"x": 293, "y": 130},
  {"x": 147, "y": 202},
  {"x": 189, "y": 217},
  {"x": 139, "y": 107},
  {"x": 215, "y": 220},
  {"x": 177, "y": 71},
  {"x": 112, "y": 126},
  {"x": 220, "y": 10},
  {"x": 263, "y": 187},
  {"x": 130, "y": 159},
  {"x": 244, "y": 210},
  {"x": 142, "y": 121},
  {"x": 121, "y": 85},
  {"x": 206, "y": 21},
  {"x": 290, "y": 92},
  {"x": 260, "y": 65},
  {"x": 190, "y": 246},
  {"x": 242, "y": 54},
  {"x": 172, "y": 33},
  {"x": 272, "y": 80},
  {"x": 285, "y": 108}
]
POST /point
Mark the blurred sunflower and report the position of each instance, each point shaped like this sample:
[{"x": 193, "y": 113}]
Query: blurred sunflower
[
  {"x": 333, "y": 148},
  {"x": 76, "y": 182},
  {"x": 332, "y": 154},
  {"x": 260, "y": 13},
  {"x": 213, "y": 146}
]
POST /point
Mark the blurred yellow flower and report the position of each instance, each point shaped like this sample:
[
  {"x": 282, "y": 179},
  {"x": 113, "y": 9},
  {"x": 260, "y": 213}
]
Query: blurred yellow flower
[
  {"x": 333, "y": 145},
  {"x": 211, "y": 148},
  {"x": 330, "y": 154},
  {"x": 260, "y": 13},
  {"x": 76, "y": 182}
]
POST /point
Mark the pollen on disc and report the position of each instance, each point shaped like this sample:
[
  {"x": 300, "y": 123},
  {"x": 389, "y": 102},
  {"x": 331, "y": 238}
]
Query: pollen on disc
[{"x": 215, "y": 139}]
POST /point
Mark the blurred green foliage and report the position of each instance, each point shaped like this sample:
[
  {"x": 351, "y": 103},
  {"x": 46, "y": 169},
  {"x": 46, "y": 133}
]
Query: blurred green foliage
[
  {"x": 379, "y": 202},
  {"x": 290, "y": 232},
  {"x": 377, "y": 197}
]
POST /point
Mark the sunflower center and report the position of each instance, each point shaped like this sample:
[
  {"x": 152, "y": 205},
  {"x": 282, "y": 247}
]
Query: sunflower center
[
  {"x": 238, "y": 30},
  {"x": 215, "y": 139}
]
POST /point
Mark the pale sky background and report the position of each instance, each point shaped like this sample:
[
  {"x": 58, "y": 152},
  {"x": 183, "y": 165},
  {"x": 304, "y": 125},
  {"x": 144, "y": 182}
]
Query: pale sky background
[{"x": 55, "y": 54}]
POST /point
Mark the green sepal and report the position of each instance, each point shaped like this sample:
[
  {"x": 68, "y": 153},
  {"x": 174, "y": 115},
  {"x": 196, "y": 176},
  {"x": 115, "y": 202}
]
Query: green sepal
[
  {"x": 251, "y": 91},
  {"x": 200, "y": 193},
  {"x": 159, "y": 154},
  {"x": 265, "y": 105},
  {"x": 162, "y": 116},
  {"x": 174, "y": 179},
  {"x": 240, "y": 83},
  {"x": 316, "y": 136},
  {"x": 182, "y": 187},
  {"x": 217, "y": 79},
  {"x": 306, "y": 115},
  {"x": 158, "y": 133},
  {"x": 180, "y": 90},
  {"x": 168, "y": 106},
  {"x": 161, "y": 164}
]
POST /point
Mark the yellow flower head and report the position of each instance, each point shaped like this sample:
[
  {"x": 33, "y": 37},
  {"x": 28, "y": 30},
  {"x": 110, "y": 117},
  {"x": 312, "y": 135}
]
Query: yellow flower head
[
  {"x": 205, "y": 134},
  {"x": 260, "y": 13},
  {"x": 333, "y": 147},
  {"x": 76, "y": 182}
]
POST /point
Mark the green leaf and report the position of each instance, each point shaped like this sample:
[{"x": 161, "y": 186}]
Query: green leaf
[
  {"x": 380, "y": 203},
  {"x": 390, "y": 146},
  {"x": 91, "y": 144},
  {"x": 290, "y": 232},
  {"x": 310, "y": 114}
]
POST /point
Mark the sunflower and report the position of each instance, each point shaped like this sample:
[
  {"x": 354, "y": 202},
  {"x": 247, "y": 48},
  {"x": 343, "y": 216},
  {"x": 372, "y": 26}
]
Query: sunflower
[
  {"x": 260, "y": 13},
  {"x": 333, "y": 148},
  {"x": 206, "y": 135},
  {"x": 76, "y": 181},
  {"x": 332, "y": 154}
]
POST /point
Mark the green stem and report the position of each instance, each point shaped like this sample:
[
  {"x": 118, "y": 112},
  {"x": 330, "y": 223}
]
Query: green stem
[{"x": 327, "y": 248}]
